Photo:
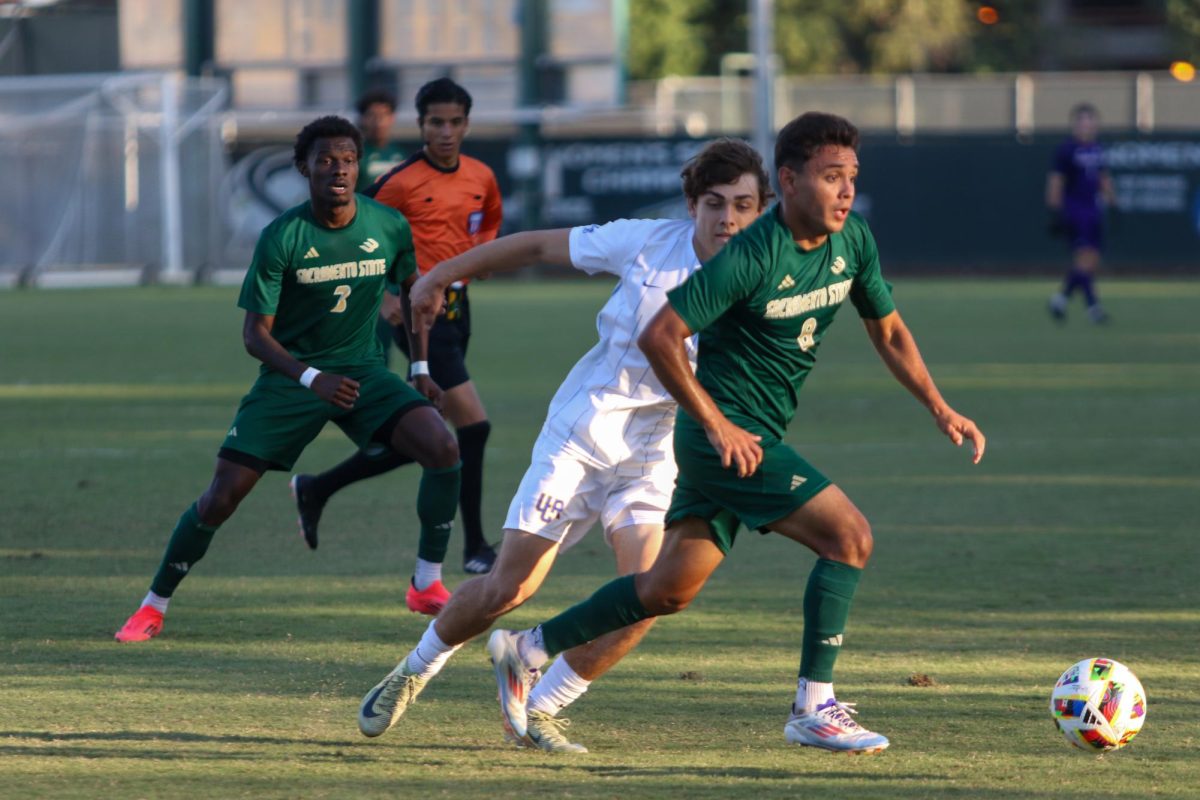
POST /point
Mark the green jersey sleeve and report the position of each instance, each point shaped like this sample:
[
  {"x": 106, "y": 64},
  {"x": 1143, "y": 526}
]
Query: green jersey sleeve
[
  {"x": 870, "y": 293},
  {"x": 264, "y": 279},
  {"x": 729, "y": 277}
]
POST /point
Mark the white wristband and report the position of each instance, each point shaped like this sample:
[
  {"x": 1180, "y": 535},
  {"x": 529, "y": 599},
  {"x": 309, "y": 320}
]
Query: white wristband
[
  {"x": 418, "y": 368},
  {"x": 308, "y": 376}
]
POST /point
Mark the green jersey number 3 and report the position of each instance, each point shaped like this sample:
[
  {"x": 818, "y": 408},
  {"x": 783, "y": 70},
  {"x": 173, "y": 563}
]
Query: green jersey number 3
[
  {"x": 805, "y": 339},
  {"x": 342, "y": 292}
]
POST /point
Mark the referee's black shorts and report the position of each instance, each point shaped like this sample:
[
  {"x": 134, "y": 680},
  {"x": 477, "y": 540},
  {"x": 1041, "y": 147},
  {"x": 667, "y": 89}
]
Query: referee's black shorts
[{"x": 448, "y": 340}]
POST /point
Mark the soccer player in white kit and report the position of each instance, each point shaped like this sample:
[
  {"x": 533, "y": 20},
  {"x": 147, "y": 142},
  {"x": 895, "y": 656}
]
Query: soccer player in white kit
[{"x": 605, "y": 451}]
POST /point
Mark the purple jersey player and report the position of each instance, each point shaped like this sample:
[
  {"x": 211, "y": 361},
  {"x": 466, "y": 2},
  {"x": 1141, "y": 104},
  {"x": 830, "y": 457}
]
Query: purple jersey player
[{"x": 1077, "y": 191}]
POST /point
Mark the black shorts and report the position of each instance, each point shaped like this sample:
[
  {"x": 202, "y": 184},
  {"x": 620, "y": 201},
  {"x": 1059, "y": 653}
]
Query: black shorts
[{"x": 448, "y": 339}]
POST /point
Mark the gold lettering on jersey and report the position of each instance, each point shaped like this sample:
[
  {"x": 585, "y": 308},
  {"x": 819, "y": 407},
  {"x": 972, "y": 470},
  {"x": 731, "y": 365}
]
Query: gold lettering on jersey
[
  {"x": 366, "y": 268},
  {"x": 831, "y": 295}
]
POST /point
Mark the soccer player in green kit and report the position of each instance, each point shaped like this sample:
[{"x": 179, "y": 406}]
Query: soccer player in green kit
[
  {"x": 311, "y": 296},
  {"x": 761, "y": 307}
]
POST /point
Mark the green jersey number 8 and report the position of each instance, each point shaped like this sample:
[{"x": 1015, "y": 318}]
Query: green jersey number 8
[
  {"x": 805, "y": 339},
  {"x": 342, "y": 293}
]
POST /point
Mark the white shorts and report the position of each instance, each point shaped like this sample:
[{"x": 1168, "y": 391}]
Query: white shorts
[{"x": 565, "y": 492}]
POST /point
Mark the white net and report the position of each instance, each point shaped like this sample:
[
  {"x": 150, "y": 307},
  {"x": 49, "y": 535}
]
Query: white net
[{"x": 111, "y": 179}]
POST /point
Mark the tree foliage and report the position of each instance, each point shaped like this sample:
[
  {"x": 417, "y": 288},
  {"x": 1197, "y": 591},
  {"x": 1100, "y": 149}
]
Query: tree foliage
[{"x": 688, "y": 37}]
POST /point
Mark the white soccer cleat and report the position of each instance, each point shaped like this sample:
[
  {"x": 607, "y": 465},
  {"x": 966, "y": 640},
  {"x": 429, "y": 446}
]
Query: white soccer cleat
[
  {"x": 514, "y": 678},
  {"x": 390, "y": 698},
  {"x": 548, "y": 733},
  {"x": 831, "y": 727}
]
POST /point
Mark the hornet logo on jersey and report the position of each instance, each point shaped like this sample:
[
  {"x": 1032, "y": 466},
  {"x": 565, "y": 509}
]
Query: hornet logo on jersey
[
  {"x": 474, "y": 222},
  {"x": 839, "y": 266},
  {"x": 370, "y": 246}
]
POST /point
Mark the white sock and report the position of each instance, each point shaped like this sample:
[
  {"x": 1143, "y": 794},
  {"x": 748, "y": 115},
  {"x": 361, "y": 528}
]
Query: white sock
[
  {"x": 430, "y": 654},
  {"x": 426, "y": 574},
  {"x": 811, "y": 694},
  {"x": 557, "y": 689},
  {"x": 156, "y": 601},
  {"x": 531, "y": 648}
]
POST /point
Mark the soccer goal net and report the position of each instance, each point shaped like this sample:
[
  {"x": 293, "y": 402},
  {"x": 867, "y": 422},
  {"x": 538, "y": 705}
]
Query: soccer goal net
[{"x": 110, "y": 179}]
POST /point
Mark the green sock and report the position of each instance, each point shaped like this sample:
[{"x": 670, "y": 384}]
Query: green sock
[
  {"x": 827, "y": 599},
  {"x": 189, "y": 542},
  {"x": 613, "y": 606},
  {"x": 436, "y": 501}
]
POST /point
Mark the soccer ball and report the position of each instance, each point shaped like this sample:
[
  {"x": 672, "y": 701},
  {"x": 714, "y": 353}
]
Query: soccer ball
[{"x": 1098, "y": 704}]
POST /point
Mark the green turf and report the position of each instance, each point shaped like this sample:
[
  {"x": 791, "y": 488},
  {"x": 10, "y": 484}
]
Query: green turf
[{"x": 1075, "y": 537}]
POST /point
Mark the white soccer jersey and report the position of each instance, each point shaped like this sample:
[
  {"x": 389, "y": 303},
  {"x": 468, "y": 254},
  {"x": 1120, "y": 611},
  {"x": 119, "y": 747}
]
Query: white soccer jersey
[{"x": 604, "y": 451}]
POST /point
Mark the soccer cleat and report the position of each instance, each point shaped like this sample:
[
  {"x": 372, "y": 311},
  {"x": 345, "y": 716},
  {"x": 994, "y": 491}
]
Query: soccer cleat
[
  {"x": 390, "y": 698},
  {"x": 549, "y": 733},
  {"x": 429, "y": 600},
  {"x": 514, "y": 678},
  {"x": 308, "y": 506},
  {"x": 831, "y": 727},
  {"x": 1057, "y": 306},
  {"x": 146, "y": 623},
  {"x": 481, "y": 561},
  {"x": 1098, "y": 315}
]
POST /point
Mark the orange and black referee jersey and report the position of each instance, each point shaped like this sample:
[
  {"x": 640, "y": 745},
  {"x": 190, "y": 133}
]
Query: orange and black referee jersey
[{"x": 450, "y": 210}]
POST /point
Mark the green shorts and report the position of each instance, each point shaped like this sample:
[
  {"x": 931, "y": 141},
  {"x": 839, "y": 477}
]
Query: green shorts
[
  {"x": 278, "y": 417},
  {"x": 784, "y": 482}
]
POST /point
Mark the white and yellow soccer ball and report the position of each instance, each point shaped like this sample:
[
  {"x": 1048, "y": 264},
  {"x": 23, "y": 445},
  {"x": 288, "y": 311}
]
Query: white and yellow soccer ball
[{"x": 1098, "y": 704}]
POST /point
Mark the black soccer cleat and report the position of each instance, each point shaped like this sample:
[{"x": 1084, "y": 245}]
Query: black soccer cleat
[
  {"x": 309, "y": 508},
  {"x": 479, "y": 562}
]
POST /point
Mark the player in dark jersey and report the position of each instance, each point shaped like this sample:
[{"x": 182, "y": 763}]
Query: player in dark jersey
[
  {"x": 762, "y": 307},
  {"x": 311, "y": 296},
  {"x": 453, "y": 203},
  {"x": 1078, "y": 189}
]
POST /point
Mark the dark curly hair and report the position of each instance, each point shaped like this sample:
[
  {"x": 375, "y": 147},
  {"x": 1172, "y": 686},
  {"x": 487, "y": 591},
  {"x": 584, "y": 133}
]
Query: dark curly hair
[
  {"x": 721, "y": 162},
  {"x": 324, "y": 128},
  {"x": 801, "y": 138},
  {"x": 442, "y": 90}
]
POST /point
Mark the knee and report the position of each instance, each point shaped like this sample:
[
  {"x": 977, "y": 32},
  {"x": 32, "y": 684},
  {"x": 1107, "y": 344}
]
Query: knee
[
  {"x": 218, "y": 503},
  {"x": 440, "y": 451},
  {"x": 660, "y": 602},
  {"x": 855, "y": 542}
]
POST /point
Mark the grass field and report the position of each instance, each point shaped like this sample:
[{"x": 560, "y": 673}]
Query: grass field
[{"x": 1075, "y": 537}]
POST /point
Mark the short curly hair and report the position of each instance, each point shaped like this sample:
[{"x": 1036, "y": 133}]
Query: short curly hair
[
  {"x": 721, "y": 162},
  {"x": 324, "y": 128}
]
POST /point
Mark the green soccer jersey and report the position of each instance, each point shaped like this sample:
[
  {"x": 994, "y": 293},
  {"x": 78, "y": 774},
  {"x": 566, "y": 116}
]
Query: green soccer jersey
[
  {"x": 324, "y": 285},
  {"x": 376, "y": 162},
  {"x": 762, "y": 306}
]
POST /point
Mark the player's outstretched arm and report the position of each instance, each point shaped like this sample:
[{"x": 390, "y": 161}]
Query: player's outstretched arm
[
  {"x": 896, "y": 346},
  {"x": 552, "y": 247},
  {"x": 663, "y": 343},
  {"x": 418, "y": 346},
  {"x": 260, "y": 343}
]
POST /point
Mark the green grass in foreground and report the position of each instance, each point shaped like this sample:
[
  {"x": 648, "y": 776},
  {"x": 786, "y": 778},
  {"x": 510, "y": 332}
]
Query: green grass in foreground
[{"x": 1075, "y": 537}]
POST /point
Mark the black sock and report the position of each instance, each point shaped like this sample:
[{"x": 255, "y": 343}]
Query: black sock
[
  {"x": 356, "y": 468},
  {"x": 471, "y": 441}
]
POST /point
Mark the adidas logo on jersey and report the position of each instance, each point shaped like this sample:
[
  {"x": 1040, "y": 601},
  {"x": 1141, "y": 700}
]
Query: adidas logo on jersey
[
  {"x": 179, "y": 566},
  {"x": 370, "y": 246},
  {"x": 232, "y": 431},
  {"x": 786, "y": 283},
  {"x": 797, "y": 482},
  {"x": 312, "y": 253},
  {"x": 838, "y": 266},
  {"x": 833, "y": 641}
]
